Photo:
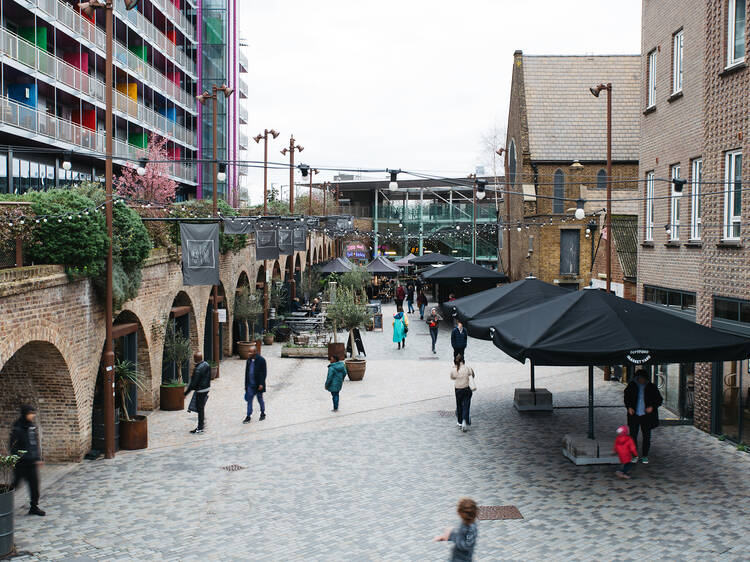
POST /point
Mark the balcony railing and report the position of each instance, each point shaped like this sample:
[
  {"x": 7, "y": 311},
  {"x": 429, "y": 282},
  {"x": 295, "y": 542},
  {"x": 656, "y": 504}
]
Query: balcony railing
[
  {"x": 176, "y": 15},
  {"x": 244, "y": 116},
  {"x": 243, "y": 141},
  {"x": 57, "y": 129},
  {"x": 28, "y": 54},
  {"x": 243, "y": 61}
]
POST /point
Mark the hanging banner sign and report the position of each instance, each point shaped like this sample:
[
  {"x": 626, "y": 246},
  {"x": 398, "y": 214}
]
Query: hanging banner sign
[
  {"x": 200, "y": 253},
  {"x": 239, "y": 225},
  {"x": 300, "y": 238},
  {"x": 266, "y": 244},
  {"x": 286, "y": 240}
]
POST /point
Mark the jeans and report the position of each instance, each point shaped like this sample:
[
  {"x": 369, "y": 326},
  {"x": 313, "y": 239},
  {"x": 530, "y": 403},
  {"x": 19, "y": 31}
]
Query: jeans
[
  {"x": 433, "y": 335},
  {"x": 335, "y": 396},
  {"x": 421, "y": 311},
  {"x": 30, "y": 473},
  {"x": 200, "y": 406},
  {"x": 410, "y": 304},
  {"x": 641, "y": 422},
  {"x": 626, "y": 467},
  {"x": 463, "y": 405},
  {"x": 249, "y": 395},
  {"x": 459, "y": 351}
]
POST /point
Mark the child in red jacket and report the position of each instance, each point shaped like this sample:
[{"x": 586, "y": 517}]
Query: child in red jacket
[{"x": 625, "y": 449}]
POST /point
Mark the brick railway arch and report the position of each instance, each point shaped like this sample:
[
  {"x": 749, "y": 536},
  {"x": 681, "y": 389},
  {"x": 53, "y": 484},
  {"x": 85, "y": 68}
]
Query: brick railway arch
[
  {"x": 132, "y": 342},
  {"x": 237, "y": 331},
  {"x": 38, "y": 374},
  {"x": 182, "y": 313}
]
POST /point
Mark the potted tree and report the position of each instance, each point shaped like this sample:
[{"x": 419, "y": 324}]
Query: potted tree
[
  {"x": 248, "y": 308},
  {"x": 7, "y": 464},
  {"x": 176, "y": 352},
  {"x": 268, "y": 338},
  {"x": 133, "y": 430},
  {"x": 350, "y": 314}
]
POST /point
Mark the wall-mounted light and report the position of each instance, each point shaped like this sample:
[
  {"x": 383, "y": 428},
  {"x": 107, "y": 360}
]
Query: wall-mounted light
[{"x": 580, "y": 212}]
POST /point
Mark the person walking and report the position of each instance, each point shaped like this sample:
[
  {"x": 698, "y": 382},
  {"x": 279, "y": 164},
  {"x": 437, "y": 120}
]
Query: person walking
[
  {"x": 200, "y": 382},
  {"x": 335, "y": 379},
  {"x": 642, "y": 399},
  {"x": 463, "y": 537},
  {"x": 24, "y": 442},
  {"x": 459, "y": 339},
  {"x": 410, "y": 298},
  {"x": 255, "y": 383},
  {"x": 400, "y": 327},
  {"x": 421, "y": 303},
  {"x": 400, "y": 295},
  {"x": 463, "y": 378},
  {"x": 626, "y": 451},
  {"x": 433, "y": 321}
]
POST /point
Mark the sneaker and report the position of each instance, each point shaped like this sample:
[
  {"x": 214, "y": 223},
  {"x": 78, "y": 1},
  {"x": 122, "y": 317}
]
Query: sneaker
[
  {"x": 644, "y": 460},
  {"x": 434, "y": 351},
  {"x": 197, "y": 430},
  {"x": 34, "y": 510},
  {"x": 247, "y": 419},
  {"x": 458, "y": 424},
  {"x": 464, "y": 427},
  {"x": 634, "y": 460},
  {"x": 262, "y": 416}
]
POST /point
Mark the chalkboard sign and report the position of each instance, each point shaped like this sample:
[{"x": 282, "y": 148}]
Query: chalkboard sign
[{"x": 378, "y": 322}]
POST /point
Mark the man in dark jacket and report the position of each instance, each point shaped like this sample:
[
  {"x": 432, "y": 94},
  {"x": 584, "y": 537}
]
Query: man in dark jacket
[
  {"x": 200, "y": 382},
  {"x": 459, "y": 339},
  {"x": 255, "y": 383},
  {"x": 642, "y": 399},
  {"x": 25, "y": 437}
]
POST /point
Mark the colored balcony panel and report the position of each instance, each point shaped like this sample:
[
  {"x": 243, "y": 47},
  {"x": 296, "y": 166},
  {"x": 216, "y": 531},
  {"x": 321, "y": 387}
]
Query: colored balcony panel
[
  {"x": 23, "y": 93},
  {"x": 174, "y": 77},
  {"x": 213, "y": 30},
  {"x": 172, "y": 36},
  {"x": 78, "y": 60},
  {"x": 140, "y": 51},
  {"x": 174, "y": 152},
  {"x": 138, "y": 139},
  {"x": 85, "y": 118},
  {"x": 36, "y": 35},
  {"x": 130, "y": 90},
  {"x": 91, "y": 18}
]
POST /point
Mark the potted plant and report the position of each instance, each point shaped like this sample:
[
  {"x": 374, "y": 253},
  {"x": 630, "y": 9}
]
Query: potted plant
[
  {"x": 248, "y": 308},
  {"x": 214, "y": 370},
  {"x": 268, "y": 338},
  {"x": 282, "y": 332},
  {"x": 133, "y": 430},
  {"x": 177, "y": 352},
  {"x": 7, "y": 465},
  {"x": 277, "y": 299},
  {"x": 349, "y": 314}
]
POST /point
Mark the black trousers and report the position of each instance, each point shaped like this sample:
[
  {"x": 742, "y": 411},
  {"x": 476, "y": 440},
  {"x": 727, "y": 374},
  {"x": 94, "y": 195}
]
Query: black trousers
[
  {"x": 459, "y": 351},
  {"x": 642, "y": 423},
  {"x": 200, "y": 406},
  {"x": 30, "y": 473},
  {"x": 463, "y": 405}
]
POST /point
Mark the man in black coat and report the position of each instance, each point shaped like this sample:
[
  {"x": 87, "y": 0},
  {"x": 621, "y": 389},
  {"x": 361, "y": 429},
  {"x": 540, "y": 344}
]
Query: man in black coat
[
  {"x": 459, "y": 339},
  {"x": 200, "y": 382},
  {"x": 24, "y": 436},
  {"x": 642, "y": 399},
  {"x": 255, "y": 383}
]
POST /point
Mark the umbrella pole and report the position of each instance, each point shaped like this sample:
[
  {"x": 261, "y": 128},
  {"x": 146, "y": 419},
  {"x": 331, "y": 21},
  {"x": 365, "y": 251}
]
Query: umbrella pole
[
  {"x": 591, "y": 401},
  {"x": 533, "y": 389}
]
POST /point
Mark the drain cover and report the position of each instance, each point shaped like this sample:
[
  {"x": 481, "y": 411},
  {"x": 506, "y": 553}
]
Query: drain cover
[
  {"x": 233, "y": 467},
  {"x": 497, "y": 512},
  {"x": 446, "y": 413},
  {"x": 431, "y": 358}
]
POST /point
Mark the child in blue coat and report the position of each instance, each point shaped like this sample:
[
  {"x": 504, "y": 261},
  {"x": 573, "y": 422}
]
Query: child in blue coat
[{"x": 335, "y": 379}]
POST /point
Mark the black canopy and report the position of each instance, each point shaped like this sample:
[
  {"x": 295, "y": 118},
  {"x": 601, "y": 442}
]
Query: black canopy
[
  {"x": 429, "y": 259},
  {"x": 499, "y": 300},
  {"x": 337, "y": 265},
  {"x": 405, "y": 261},
  {"x": 382, "y": 266},
  {"x": 463, "y": 271},
  {"x": 592, "y": 327}
]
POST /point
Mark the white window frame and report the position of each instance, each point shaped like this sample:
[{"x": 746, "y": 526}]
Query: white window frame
[
  {"x": 732, "y": 222},
  {"x": 674, "y": 205},
  {"x": 696, "y": 176},
  {"x": 732, "y": 57},
  {"x": 649, "y": 216},
  {"x": 677, "y": 40},
  {"x": 651, "y": 92}
]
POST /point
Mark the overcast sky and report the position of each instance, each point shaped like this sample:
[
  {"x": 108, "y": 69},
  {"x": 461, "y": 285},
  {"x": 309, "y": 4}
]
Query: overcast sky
[{"x": 410, "y": 84}]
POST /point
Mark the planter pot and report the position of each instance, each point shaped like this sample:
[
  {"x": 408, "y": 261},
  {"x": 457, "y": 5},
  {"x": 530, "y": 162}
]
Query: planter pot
[
  {"x": 214, "y": 372},
  {"x": 305, "y": 352},
  {"x": 301, "y": 340},
  {"x": 337, "y": 349},
  {"x": 6, "y": 522},
  {"x": 355, "y": 368},
  {"x": 97, "y": 429},
  {"x": 172, "y": 398},
  {"x": 134, "y": 433},
  {"x": 268, "y": 339},
  {"x": 243, "y": 348}
]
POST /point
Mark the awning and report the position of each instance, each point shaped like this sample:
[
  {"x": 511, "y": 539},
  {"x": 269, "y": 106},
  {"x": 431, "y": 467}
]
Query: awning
[
  {"x": 337, "y": 265},
  {"x": 432, "y": 258},
  {"x": 382, "y": 266}
]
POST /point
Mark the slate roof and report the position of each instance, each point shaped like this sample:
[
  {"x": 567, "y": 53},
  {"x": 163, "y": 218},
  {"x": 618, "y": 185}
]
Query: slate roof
[
  {"x": 566, "y": 122},
  {"x": 625, "y": 238}
]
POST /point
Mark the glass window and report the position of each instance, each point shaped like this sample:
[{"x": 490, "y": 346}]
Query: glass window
[
  {"x": 727, "y": 309},
  {"x": 651, "y": 94},
  {"x": 649, "y": 219},
  {"x": 745, "y": 312},
  {"x": 736, "y": 32},
  {"x": 688, "y": 301},
  {"x": 601, "y": 179},
  {"x": 733, "y": 195},
  {"x": 677, "y": 62},
  {"x": 3, "y": 173},
  {"x": 695, "y": 199},
  {"x": 674, "y": 200},
  {"x": 732, "y": 376},
  {"x": 558, "y": 203}
]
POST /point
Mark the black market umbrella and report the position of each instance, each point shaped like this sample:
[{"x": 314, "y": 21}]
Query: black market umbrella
[
  {"x": 405, "y": 261},
  {"x": 593, "y": 327},
  {"x": 382, "y": 266},
  {"x": 477, "y": 311},
  {"x": 337, "y": 265},
  {"x": 462, "y": 277},
  {"x": 433, "y": 258}
]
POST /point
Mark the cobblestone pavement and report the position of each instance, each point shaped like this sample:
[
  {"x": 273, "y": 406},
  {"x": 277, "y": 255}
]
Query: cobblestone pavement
[{"x": 380, "y": 479}]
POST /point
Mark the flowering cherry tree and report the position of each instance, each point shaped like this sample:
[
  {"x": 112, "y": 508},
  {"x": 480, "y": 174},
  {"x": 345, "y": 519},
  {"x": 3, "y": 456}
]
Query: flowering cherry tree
[{"x": 155, "y": 186}]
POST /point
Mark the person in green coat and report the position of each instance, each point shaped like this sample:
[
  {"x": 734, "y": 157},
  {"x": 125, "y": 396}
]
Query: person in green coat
[{"x": 335, "y": 379}]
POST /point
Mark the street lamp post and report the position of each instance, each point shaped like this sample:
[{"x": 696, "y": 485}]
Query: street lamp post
[
  {"x": 313, "y": 171},
  {"x": 108, "y": 357},
  {"x": 292, "y": 147},
  {"x": 257, "y": 138},
  {"x": 608, "y": 223},
  {"x": 202, "y": 98}
]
